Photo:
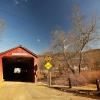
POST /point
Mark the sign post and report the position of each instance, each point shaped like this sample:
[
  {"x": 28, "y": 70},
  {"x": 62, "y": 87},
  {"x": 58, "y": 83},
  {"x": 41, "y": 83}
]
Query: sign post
[{"x": 48, "y": 66}]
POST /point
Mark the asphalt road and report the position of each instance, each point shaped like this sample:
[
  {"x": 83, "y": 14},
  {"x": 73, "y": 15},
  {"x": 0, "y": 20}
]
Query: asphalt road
[{"x": 31, "y": 91}]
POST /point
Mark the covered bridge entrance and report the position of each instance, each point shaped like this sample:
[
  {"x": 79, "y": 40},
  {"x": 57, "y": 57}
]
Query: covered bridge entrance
[{"x": 18, "y": 64}]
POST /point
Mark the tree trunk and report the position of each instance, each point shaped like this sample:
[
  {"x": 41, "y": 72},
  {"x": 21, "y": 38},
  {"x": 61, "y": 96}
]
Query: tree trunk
[
  {"x": 80, "y": 60},
  {"x": 70, "y": 85}
]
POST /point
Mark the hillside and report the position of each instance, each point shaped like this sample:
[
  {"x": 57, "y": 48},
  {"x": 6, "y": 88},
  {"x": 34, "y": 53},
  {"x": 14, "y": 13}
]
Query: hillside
[
  {"x": 95, "y": 53},
  {"x": 91, "y": 58}
]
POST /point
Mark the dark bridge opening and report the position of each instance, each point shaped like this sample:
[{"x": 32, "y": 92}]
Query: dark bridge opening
[{"x": 18, "y": 69}]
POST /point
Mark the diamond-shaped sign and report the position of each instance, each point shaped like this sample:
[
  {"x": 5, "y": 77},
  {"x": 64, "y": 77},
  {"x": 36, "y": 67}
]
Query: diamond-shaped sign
[
  {"x": 48, "y": 58},
  {"x": 48, "y": 65}
]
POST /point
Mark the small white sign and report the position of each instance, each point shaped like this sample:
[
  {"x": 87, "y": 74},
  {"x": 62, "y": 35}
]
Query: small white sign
[
  {"x": 19, "y": 54},
  {"x": 17, "y": 70}
]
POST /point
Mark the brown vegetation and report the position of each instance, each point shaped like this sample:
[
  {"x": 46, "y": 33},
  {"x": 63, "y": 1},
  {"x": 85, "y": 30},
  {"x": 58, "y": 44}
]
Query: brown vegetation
[
  {"x": 70, "y": 58},
  {"x": 59, "y": 76}
]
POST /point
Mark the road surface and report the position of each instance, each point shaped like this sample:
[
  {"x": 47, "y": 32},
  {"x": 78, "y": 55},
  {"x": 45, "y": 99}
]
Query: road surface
[{"x": 34, "y": 91}]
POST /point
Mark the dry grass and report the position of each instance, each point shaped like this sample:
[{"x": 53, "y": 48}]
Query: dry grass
[
  {"x": 85, "y": 78},
  {"x": 86, "y": 87},
  {"x": 88, "y": 77},
  {"x": 91, "y": 76}
]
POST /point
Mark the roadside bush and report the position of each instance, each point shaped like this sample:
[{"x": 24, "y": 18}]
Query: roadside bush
[
  {"x": 79, "y": 80},
  {"x": 87, "y": 77},
  {"x": 91, "y": 76}
]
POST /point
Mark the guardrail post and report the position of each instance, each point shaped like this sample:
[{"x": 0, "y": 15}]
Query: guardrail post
[
  {"x": 97, "y": 84},
  {"x": 70, "y": 85}
]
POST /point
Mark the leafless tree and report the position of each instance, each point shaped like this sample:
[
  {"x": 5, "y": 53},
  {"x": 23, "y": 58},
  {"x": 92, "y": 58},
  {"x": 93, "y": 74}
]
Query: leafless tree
[
  {"x": 2, "y": 24},
  {"x": 73, "y": 44},
  {"x": 61, "y": 43},
  {"x": 2, "y": 27},
  {"x": 84, "y": 31}
]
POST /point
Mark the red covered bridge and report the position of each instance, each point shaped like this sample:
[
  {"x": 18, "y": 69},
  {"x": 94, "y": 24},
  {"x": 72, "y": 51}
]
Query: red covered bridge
[{"x": 18, "y": 64}]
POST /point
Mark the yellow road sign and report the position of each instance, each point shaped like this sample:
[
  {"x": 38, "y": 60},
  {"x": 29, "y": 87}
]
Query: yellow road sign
[
  {"x": 48, "y": 58},
  {"x": 48, "y": 65}
]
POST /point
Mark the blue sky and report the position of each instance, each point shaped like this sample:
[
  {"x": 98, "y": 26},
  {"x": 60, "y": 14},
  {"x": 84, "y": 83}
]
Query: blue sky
[{"x": 30, "y": 22}]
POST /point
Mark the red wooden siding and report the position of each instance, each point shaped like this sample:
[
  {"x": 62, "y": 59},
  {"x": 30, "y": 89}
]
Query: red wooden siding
[{"x": 18, "y": 50}]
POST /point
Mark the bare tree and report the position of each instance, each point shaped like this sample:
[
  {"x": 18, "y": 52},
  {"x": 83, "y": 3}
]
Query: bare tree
[
  {"x": 2, "y": 27},
  {"x": 73, "y": 44},
  {"x": 2, "y": 24},
  {"x": 84, "y": 31},
  {"x": 60, "y": 43}
]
